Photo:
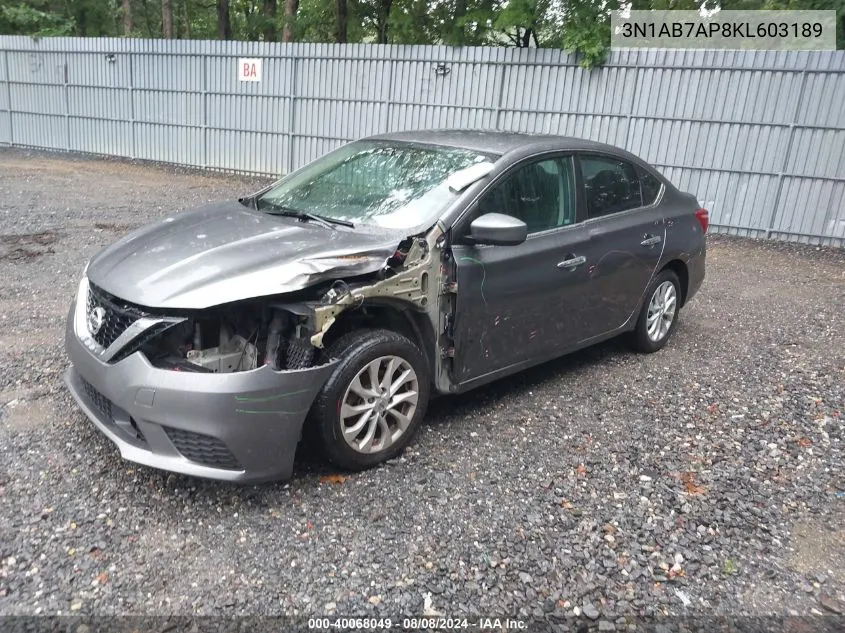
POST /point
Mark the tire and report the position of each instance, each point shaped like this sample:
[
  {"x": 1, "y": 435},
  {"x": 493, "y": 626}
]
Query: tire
[
  {"x": 649, "y": 337},
  {"x": 349, "y": 401}
]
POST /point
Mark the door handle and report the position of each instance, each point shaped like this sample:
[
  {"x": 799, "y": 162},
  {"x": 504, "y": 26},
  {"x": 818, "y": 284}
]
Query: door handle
[
  {"x": 651, "y": 240},
  {"x": 572, "y": 262}
]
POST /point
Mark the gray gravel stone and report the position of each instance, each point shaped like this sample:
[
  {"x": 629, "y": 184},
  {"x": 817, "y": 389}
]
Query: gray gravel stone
[{"x": 831, "y": 604}]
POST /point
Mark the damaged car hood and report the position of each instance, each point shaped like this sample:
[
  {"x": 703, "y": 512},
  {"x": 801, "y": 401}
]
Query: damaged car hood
[{"x": 226, "y": 252}]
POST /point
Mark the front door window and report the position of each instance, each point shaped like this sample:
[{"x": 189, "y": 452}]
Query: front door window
[{"x": 541, "y": 194}]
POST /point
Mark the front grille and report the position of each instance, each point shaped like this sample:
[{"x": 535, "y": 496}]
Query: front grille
[
  {"x": 117, "y": 316},
  {"x": 142, "y": 339},
  {"x": 202, "y": 449},
  {"x": 100, "y": 402}
]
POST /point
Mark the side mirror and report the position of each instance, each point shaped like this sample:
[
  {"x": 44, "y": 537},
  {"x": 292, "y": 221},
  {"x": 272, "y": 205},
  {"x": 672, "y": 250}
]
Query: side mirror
[{"x": 498, "y": 228}]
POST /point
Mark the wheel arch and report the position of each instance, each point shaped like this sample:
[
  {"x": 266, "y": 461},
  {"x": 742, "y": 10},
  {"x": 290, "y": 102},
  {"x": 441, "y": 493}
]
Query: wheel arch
[
  {"x": 395, "y": 315},
  {"x": 680, "y": 269}
]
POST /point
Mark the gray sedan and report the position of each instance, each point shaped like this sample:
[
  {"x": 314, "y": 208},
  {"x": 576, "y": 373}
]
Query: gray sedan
[{"x": 336, "y": 301}]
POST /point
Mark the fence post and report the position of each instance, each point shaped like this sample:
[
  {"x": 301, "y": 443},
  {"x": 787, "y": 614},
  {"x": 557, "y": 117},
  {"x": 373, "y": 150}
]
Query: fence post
[
  {"x": 67, "y": 102},
  {"x": 132, "y": 148},
  {"x": 205, "y": 109},
  {"x": 504, "y": 70},
  {"x": 9, "y": 98},
  {"x": 291, "y": 116},
  {"x": 388, "y": 101},
  {"x": 631, "y": 109},
  {"x": 771, "y": 224}
]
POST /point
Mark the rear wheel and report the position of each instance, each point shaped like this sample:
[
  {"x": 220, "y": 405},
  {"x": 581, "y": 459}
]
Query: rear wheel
[
  {"x": 659, "y": 313},
  {"x": 372, "y": 404}
]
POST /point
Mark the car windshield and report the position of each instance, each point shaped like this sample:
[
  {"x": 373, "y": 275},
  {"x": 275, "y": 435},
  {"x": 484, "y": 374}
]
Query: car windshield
[{"x": 387, "y": 184}]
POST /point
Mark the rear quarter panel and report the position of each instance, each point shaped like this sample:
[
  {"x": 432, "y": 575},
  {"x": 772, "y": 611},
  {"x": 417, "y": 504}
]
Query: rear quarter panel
[{"x": 685, "y": 238}]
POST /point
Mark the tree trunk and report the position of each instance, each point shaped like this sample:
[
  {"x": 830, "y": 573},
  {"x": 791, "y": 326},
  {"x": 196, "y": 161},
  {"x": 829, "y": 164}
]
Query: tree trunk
[
  {"x": 342, "y": 21},
  {"x": 224, "y": 22},
  {"x": 167, "y": 19},
  {"x": 291, "y": 7},
  {"x": 127, "y": 17},
  {"x": 525, "y": 40},
  {"x": 187, "y": 20},
  {"x": 383, "y": 17},
  {"x": 269, "y": 20}
]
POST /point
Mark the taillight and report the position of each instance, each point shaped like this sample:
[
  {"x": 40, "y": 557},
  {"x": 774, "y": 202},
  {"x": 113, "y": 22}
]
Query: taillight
[{"x": 703, "y": 216}]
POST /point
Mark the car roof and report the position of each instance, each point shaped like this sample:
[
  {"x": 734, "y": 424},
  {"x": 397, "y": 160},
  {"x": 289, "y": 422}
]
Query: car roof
[{"x": 494, "y": 142}]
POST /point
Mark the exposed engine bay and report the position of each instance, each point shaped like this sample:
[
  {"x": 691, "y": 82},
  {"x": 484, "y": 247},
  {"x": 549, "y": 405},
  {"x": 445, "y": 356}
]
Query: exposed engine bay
[
  {"x": 290, "y": 331},
  {"x": 233, "y": 338}
]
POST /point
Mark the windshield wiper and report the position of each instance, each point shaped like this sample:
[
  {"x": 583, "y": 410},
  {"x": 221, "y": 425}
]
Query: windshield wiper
[{"x": 290, "y": 212}]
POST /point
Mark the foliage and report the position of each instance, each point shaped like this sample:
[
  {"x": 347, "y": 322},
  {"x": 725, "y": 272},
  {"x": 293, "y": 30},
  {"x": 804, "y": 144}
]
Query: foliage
[
  {"x": 586, "y": 31},
  {"x": 27, "y": 20},
  {"x": 816, "y": 5},
  {"x": 417, "y": 22},
  {"x": 316, "y": 21},
  {"x": 525, "y": 21},
  {"x": 579, "y": 26}
]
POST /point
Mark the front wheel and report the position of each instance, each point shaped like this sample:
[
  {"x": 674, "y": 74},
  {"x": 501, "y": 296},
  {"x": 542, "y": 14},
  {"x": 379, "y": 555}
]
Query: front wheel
[
  {"x": 372, "y": 404},
  {"x": 659, "y": 313}
]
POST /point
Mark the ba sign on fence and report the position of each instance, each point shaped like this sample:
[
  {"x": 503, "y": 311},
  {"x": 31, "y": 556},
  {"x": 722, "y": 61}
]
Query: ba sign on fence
[{"x": 249, "y": 69}]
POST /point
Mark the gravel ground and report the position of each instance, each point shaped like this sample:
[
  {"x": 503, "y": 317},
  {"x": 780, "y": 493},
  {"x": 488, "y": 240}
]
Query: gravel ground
[{"x": 706, "y": 479}]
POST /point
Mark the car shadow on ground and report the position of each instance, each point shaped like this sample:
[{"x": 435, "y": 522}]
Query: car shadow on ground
[
  {"x": 444, "y": 409},
  {"x": 503, "y": 389},
  {"x": 311, "y": 466}
]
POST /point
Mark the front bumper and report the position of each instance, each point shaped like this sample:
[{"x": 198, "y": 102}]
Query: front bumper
[{"x": 241, "y": 426}]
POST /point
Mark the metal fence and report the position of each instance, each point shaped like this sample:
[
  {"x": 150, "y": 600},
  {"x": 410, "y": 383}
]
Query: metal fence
[{"x": 759, "y": 137}]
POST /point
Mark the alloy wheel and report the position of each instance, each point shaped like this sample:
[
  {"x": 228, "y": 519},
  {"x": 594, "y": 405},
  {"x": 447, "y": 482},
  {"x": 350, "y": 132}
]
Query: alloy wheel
[
  {"x": 661, "y": 311},
  {"x": 379, "y": 404}
]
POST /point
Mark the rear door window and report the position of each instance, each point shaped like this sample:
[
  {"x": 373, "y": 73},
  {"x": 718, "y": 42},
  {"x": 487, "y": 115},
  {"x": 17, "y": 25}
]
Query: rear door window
[
  {"x": 610, "y": 185},
  {"x": 650, "y": 187}
]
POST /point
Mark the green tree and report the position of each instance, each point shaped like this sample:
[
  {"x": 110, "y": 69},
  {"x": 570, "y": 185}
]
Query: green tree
[
  {"x": 25, "y": 19},
  {"x": 414, "y": 22},
  {"x": 814, "y": 5},
  {"x": 579, "y": 26},
  {"x": 586, "y": 31},
  {"x": 521, "y": 21}
]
